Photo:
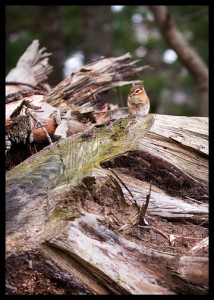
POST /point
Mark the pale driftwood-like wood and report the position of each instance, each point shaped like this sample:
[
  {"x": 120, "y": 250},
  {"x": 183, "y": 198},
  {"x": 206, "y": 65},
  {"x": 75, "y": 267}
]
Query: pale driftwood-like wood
[
  {"x": 191, "y": 132},
  {"x": 113, "y": 259},
  {"x": 162, "y": 204},
  {"x": 202, "y": 244},
  {"x": 32, "y": 68},
  {"x": 43, "y": 210},
  {"x": 193, "y": 269}
]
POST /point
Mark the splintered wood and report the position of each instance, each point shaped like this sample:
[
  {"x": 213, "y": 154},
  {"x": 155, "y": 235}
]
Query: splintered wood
[
  {"x": 120, "y": 203},
  {"x": 79, "y": 204}
]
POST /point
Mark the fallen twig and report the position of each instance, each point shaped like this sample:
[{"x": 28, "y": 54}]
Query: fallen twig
[
  {"x": 118, "y": 188},
  {"x": 166, "y": 235},
  {"x": 144, "y": 207},
  {"x": 202, "y": 244},
  {"x": 22, "y": 94},
  {"x": 18, "y": 109},
  {"x": 121, "y": 182},
  {"x": 110, "y": 110}
]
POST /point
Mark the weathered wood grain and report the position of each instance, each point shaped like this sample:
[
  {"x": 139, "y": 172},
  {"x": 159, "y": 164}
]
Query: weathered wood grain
[
  {"x": 32, "y": 69},
  {"x": 42, "y": 210}
]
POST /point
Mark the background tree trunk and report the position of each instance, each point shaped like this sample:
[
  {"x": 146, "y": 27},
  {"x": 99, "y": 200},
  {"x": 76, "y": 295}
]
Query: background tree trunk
[
  {"x": 98, "y": 37},
  {"x": 51, "y": 32},
  {"x": 187, "y": 55}
]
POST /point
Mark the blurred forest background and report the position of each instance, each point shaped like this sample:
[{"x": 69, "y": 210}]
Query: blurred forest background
[{"x": 177, "y": 83}]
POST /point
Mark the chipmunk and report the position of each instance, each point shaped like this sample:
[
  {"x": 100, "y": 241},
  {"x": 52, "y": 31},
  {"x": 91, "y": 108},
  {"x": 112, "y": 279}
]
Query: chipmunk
[{"x": 138, "y": 101}]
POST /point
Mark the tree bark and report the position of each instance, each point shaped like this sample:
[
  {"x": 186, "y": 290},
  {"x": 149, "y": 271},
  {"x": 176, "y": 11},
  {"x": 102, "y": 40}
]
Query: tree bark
[{"x": 187, "y": 55}]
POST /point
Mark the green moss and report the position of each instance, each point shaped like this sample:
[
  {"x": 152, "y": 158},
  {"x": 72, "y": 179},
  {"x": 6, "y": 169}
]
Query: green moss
[
  {"x": 59, "y": 218},
  {"x": 32, "y": 163},
  {"x": 101, "y": 144},
  {"x": 64, "y": 213},
  {"x": 81, "y": 153}
]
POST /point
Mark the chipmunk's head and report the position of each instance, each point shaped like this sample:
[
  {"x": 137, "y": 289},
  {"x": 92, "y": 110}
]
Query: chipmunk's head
[{"x": 136, "y": 89}]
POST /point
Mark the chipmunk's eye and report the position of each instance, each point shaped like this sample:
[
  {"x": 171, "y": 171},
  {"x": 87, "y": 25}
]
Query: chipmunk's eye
[{"x": 137, "y": 91}]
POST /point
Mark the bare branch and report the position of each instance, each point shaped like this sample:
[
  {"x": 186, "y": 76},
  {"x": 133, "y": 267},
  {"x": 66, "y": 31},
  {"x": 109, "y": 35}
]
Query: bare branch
[{"x": 187, "y": 54}]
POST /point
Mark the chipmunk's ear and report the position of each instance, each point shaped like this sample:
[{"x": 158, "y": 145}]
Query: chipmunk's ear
[
  {"x": 141, "y": 84},
  {"x": 133, "y": 84}
]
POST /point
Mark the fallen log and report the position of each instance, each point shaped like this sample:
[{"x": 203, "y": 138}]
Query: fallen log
[
  {"x": 66, "y": 203},
  {"x": 121, "y": 208}
]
